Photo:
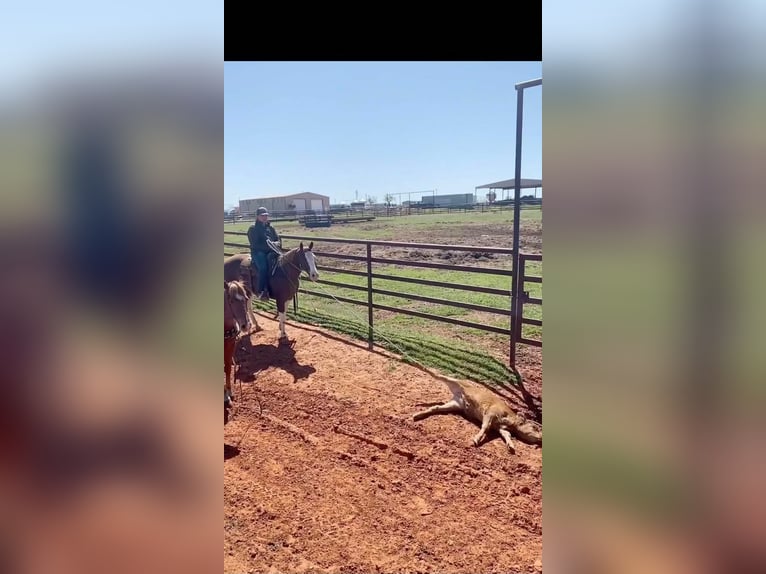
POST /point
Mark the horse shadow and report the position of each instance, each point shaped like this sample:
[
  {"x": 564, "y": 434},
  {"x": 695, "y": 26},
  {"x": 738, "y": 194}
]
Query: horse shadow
[{"x": 255, "y": 358}]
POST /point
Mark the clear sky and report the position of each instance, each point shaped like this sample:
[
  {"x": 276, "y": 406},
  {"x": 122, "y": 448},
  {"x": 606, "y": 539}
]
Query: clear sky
[
  {"x": 48, "y": 37},
  {"x": 376, "y": 127}
]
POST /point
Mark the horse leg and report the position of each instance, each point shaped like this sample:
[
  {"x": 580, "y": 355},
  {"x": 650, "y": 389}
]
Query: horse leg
[
  {"x": 281, "y": 309},
  {"x": 253, "y": 278},
  {"x": 254, "y": 326},
  {"x": 228, "y": 360}
]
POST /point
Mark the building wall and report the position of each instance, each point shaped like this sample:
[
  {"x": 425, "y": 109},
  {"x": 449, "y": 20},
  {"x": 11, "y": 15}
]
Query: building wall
[
  {"x": 454, "y": 199},
  {"x": 283, "y": 203}
]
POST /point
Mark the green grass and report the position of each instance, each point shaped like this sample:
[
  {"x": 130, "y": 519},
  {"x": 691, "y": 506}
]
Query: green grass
[
  {"x": 386, "y": 228},
  {"x": 416, "y": 347},
  {"x": 458, "y": 277}
]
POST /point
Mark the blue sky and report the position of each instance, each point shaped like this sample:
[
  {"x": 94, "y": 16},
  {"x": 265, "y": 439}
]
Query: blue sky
[
  {"x": 43, "y": 38},
  {"x": 376, "y": 127}
]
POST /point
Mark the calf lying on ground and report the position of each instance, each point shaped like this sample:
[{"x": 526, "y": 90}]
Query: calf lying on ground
[{"x": 487, "y": 409}]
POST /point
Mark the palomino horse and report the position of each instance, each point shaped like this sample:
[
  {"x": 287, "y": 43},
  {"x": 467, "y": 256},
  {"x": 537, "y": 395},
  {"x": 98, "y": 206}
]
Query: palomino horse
[
  {"x": 284, "y": 281},
  {"x": 235, "y": 320}
]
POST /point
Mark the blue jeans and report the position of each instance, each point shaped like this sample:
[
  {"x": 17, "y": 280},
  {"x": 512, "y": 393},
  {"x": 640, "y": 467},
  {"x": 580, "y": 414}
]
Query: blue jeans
[{"x": 262, "y": 264}]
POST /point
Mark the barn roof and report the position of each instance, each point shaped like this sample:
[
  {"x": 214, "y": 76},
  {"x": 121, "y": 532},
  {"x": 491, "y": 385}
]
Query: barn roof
[
  {"x": 511, "y": 184},
  {"x": 290, "y": 195}
]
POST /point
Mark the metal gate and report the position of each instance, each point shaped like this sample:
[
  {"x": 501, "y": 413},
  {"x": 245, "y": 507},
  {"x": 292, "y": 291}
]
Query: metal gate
[
  {"x": 525, "y": 299},
  {"x": 518, "y": 295}
]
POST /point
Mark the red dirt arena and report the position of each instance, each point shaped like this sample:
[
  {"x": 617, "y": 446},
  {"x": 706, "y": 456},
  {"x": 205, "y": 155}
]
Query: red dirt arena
[{"x": 325, "y": 471}]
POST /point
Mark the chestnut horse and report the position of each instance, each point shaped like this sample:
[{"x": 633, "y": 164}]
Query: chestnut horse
[
  {"x": 235, "y": 320},
  {"x": 237, "y": 268}
]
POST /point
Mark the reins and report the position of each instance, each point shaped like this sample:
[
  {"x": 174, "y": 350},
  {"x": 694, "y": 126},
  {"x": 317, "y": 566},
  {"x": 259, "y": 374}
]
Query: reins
[{"x": 283, "y": 258}]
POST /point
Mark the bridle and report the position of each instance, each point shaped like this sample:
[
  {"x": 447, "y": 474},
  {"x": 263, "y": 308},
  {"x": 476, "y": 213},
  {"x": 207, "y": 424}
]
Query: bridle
[{"x": 282, "y": 257}]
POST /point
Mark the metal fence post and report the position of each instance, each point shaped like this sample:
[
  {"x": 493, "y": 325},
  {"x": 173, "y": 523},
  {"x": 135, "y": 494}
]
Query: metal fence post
[
  {"x": 369, "y": 296},
  {"x": 521, "y": 295},
  {"x": 515, "y": 318},
  {"x": 516, "y": 284}
]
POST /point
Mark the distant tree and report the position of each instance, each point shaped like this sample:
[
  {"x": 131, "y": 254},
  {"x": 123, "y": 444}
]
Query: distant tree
[
  {"x": 372, "y": 200},
  {"x": 389, "y": 199},
  {"x": 491, "y": 196}
]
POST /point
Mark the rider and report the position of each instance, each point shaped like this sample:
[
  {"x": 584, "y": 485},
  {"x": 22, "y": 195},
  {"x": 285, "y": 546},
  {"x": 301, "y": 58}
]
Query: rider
[{"x": 260, "y": 234}]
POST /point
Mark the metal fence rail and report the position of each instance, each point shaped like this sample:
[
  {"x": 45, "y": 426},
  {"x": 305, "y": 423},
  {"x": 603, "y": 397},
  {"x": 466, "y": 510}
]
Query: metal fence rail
[
  {"x": 524, "y": 297},
  {"x": 516, "y": 337},
  {"x": 368, "y": 213}
]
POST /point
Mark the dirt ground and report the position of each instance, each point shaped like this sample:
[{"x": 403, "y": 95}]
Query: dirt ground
[
  {"x": 495, "y": 235},
  {"x": 325, "y": 471},
  {"x": 475, "y": 233}
]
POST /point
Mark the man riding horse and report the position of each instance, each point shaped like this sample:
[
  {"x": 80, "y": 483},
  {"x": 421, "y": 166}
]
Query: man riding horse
[{"x": 264, "y": 245}]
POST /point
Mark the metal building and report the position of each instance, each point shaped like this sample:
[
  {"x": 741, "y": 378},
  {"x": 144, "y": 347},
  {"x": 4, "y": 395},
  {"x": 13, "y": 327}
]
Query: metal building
[{"x": 287, "y": 204}]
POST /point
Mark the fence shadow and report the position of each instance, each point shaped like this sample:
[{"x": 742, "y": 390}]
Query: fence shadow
[{"x": 477, "y": 367}]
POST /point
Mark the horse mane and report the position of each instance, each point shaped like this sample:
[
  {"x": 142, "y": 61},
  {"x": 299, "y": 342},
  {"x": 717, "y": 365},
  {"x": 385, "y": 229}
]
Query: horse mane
[
  {"x": 237, "y": 285},
  {"x": 292, "y": 264},
  {"x": 290, "y": 252}
]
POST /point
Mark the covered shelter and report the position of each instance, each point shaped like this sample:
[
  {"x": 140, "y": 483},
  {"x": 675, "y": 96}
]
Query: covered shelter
[{"x": 508, "y": 185}]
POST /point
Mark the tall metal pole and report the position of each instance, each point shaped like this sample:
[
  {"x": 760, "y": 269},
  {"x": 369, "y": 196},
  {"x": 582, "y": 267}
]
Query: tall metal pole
[
  {"x": 515, "y": 307},
  {"x": 369, "y": 298},
  {"x": 517, "y": 287}
]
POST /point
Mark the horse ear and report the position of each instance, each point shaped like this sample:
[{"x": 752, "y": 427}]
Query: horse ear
[
  {"x": 311, "y": 245},
  {"x": 300, "y": 247}
]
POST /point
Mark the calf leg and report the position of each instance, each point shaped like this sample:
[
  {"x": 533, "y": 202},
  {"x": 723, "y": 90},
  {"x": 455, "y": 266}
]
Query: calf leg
[
  {"x": 447, "y": 408},
  {"x": 477, "y": 440},
  {"x": 506, "y": 435}
]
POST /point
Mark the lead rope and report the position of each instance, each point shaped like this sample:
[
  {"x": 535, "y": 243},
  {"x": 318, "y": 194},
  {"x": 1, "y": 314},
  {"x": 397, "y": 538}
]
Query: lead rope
[
  {"x": 402, "y": 352},
  {"x": 528, "y": 398},
  {"x": 235, "y": 407},
  {"x": 235, "y": 410}
]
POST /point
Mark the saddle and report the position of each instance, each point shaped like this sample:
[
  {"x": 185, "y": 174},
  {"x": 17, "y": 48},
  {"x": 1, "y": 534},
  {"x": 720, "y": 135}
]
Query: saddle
[{"x": 272, "y": 258}]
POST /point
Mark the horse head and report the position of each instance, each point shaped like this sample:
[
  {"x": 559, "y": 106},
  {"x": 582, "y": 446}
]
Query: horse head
[
  {"x": 236, "y": 297},
  {"x": 307, "y": 261}
]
